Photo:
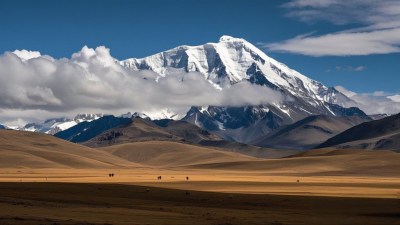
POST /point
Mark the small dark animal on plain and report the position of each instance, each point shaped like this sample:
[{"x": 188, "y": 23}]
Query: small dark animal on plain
[
  {"x": 187, "y": 178},
  {"x": 159, "y": 178}
]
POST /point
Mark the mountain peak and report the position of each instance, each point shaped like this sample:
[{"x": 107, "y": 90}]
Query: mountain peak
[
  {"x": 87, "y": 117},
  {"x": 227, "y": 38},
  {"x": 233, "y": 60}
]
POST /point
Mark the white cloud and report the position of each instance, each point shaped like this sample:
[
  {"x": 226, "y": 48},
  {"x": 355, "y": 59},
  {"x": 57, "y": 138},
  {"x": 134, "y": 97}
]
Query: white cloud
[
  {"x": 359, "y": 68},
  {"x": 342, "y": 44},
  {"x": 309, "y": 3},
  {"x": 93, "y": 81},
  {"x": 395, "y": 98},
  {"x": 26, "y": 55},
  {"x": 378, "y": 31},
  {"x": 349, "y": 68},
  {"x": 346, "y": 92},
  {"x": 379, "y": 14},
  {"x": 378, "y": 102}
]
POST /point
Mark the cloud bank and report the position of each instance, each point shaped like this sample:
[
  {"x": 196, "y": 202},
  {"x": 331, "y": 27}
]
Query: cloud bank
[
  {"x": 378, "y": 31},
  {"x": 373, "y": 103},
  {"x": 35, "y": 87}
]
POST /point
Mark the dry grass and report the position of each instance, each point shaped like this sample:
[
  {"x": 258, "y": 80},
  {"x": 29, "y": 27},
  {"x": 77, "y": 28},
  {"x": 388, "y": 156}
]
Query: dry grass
[{"x": 57, "y": 182}]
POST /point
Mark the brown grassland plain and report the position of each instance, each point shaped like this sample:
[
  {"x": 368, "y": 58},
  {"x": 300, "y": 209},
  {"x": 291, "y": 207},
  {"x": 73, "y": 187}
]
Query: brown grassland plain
[{"x": 44, "y": 180}]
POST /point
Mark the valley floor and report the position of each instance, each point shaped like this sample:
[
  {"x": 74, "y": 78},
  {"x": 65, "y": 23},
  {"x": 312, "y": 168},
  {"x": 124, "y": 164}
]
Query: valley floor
[
  {"x": 228, "y": 181},
  {"x": 218, "y": 197}
]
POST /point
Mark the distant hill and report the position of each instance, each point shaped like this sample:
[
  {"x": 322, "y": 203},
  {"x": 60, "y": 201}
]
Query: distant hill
[
  {"x": 165, "y": 154},
  {"x": 135, "y": 130},
  {"x": 23, "y": 149},
  {"x": 189, "y": 132},
  {"x": 20, "y": 149},
  {"x": 141, "y": 130},
  {"x": 377, "y": 134},
  {"x": 309, "y": 132}
]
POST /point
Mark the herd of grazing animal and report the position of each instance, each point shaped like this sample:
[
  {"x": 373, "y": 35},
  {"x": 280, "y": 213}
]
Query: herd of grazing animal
[
  {"x": 187, "y": 193},
  {"x": 158, "y": 178}
]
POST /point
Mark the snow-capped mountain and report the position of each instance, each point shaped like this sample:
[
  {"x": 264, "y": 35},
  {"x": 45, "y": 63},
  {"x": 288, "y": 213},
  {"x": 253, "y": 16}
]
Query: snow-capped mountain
[
  {"x": 155, "y": 115},
  {"x": 87, "y": 117},
  {"x": 234, "y": 60},
  {"x": 55, "y": 125},
  {"x": 50, "y": 126},
  {"x": 135, "y": 115}
]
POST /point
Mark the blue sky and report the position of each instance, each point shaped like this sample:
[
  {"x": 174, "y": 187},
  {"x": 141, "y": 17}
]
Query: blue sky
[{"x": 357, "y": 61}]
